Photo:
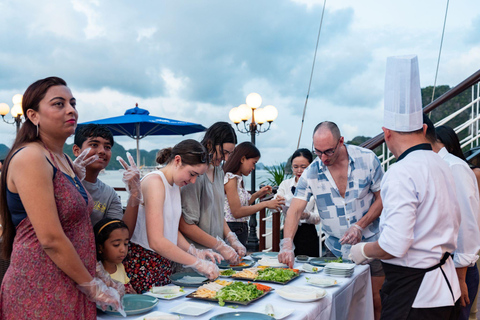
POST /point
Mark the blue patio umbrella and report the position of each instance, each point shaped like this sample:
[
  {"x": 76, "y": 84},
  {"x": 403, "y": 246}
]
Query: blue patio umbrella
[{"x": 137, "y": 123}]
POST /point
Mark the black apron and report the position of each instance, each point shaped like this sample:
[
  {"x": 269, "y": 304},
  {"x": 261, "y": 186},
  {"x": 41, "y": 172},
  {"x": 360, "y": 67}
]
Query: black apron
[{"x": 401, "y": 287}]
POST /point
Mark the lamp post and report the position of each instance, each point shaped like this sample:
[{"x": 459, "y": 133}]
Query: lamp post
[
  {"x": 16, "y": 111},
  {"x": 251, "y": 109}
]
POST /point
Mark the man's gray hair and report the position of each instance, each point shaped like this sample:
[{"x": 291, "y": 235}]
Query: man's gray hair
[{"x": 330, "y": 126}]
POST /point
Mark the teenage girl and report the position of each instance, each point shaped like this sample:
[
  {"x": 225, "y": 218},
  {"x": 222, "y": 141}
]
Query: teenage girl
[
  {"x": 239, "y": 204},
  {"x": 156, "y": 242},
  {"x": 203, "y": 219},
  {"x": 306, "y": 238},
  {"x": 112, "y": 238}
]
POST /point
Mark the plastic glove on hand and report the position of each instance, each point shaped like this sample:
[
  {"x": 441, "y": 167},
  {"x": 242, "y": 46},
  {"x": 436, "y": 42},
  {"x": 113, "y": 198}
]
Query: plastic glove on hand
[
  {"x": 227, "y": 252},
  {"x": 357, "y": 253},
  {"x": 236, "y": 244},
  {"x": 353, "y": 235},
  {"x": 286, "y": 254},
  {"x": 131, "y": 178},
  {"x": 103, "y": 275},
  {"x": 104, "y": 296},
  {"x": 206, "y": 254},
  {"x": 313, "y": 219},
  {"x": 80, "y": 163},
  {"x": 207, "y": 268}
]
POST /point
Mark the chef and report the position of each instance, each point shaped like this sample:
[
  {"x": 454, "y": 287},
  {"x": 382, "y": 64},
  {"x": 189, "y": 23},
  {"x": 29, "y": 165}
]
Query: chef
[{"x": 420, "y": 218}]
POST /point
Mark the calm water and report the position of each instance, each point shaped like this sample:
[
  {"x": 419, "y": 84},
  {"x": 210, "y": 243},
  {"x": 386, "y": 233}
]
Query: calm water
[{"x": 113, "y": 178}]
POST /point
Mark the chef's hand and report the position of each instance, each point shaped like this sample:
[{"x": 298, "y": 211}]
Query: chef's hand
[
  {"x": 104, "y": 296},
  {"x": 464, "y": 300},
  {"x": 80, "y": 164},
  {"x": 207, "y": 268},
  {"x": 357, "y": 254},
  {"x": 236, "y": 244},
  {"x": 286, "y": 254},
  {"x": 310, "y": 218},
  {"x": 227, "y": 252},
  {"x": 206, "y": 254},
  {"x": 131, "y": 178},
  {"x": 353, "y": 235}
]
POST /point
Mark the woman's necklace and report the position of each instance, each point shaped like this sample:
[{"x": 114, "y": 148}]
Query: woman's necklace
[{"x": 68, "y": 170}]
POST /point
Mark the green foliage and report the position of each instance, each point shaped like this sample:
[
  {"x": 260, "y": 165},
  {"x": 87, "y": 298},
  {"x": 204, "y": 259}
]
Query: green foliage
[{"x": 276, "y": 174}]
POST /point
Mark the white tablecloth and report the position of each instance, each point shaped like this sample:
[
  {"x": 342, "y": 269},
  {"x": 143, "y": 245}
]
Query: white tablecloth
[{"x": 351, "y": 299}]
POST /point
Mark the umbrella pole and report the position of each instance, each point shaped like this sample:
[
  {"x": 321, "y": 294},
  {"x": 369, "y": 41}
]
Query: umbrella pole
[{"x": 138, "y": 145}]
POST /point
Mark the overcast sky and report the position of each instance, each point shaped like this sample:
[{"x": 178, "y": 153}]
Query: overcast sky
[{"x": 195, "y": 60}]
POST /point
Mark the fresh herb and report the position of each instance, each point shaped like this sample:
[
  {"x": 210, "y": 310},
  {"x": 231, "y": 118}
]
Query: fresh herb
[
  {"x": 238, "y": 291},
  {"x": 339, "y": 260},
  {"x": 228, "y": 272},
  {"x": 276, "y": 274}
]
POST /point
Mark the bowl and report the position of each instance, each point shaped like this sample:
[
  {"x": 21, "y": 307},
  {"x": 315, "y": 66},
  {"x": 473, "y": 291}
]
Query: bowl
[{"x": 302, "y": 258}]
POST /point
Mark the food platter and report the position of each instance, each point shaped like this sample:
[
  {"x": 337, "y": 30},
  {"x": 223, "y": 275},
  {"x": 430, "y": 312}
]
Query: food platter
[
  {"x": 273, "y": 272},
  {"x": 234, "y": 285},
  {"x": 245, "y": 263},
  {"x": 135, "y": 304},
  {"x": 188, "y": 279}
]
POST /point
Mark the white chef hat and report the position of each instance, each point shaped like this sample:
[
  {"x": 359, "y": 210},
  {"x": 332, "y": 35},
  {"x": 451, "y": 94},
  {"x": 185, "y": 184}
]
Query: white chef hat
[{"x": 403, "y": 98}]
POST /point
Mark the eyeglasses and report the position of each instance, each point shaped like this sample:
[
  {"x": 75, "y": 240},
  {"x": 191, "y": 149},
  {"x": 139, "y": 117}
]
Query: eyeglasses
[
  {"x": 299, "y": 167},
  {"x": 328, "y": 153}
]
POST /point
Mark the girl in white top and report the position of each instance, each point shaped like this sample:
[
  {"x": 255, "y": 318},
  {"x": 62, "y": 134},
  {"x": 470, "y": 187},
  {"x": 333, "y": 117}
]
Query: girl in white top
[
  {"x": 306, "y": 238},
  {"x": 239, "y": 204},
  {"x": 156, "y": 241}
]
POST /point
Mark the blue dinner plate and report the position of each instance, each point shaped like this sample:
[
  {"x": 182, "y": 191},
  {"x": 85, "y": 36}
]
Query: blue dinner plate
[
  {"x": 322, "y": 261},
  {"x": 225, "y": 265},
  {"x": 242, "y": 316},
  {"x": 135, "y": 304},
  {"x": 176, "y": 278},
  {"x": 258, "y": 255}
]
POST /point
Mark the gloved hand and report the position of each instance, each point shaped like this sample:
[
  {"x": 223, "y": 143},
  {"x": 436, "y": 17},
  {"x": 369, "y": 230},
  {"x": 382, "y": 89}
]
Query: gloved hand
[
  {"x": 80, "y": 164},
  {"x": 131, "y": 178},
  {"x": 104, "y": 296},
  {"x": 286, "y": 254},
  {"x": 353, "y": 235},
  {"x": 310, "y": 218},
  {"x": 204, "y": 254},
  {"x": 236, "y": 244},
  {"x": 227, "y": 252},
  {"x": 207, "y": 268},
  {"x": 275, "y": 204},
  {"x": 357, "y": 253},
  {"x": 103, "y": 275}
]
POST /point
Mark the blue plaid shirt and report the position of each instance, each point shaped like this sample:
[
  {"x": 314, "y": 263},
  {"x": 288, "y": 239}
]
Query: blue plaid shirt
[{"x": 338, "y": 213}]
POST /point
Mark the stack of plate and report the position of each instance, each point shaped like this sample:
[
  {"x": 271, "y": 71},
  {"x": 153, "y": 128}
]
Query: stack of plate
[{"x": 339, "y": 269}]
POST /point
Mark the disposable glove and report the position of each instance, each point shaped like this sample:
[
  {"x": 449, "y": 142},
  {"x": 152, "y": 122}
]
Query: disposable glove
[
  {"x": 104, "y": 296},
  {"x": 207, "y": 268},
  {"x": 206, "y": 254},
  {"x": 357, "y": 253},
  {"x": 226, "y": 251},
  {"x": 131, "y": 178},
  {"x": 236, "y": 244},
  {"x": 103, "y": 275},
  {"x": 353, "y": 235},
  {"x": 286, "y": 254},
  {"x": 311, "y": 218},
  {"x": 80, "y": 163}
]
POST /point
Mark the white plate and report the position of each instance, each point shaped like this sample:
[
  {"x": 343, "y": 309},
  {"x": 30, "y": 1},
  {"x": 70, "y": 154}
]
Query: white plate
[
  {"x": 280, "y": 312},
  {"x": 293, "y": 293},
  {"x": 322, "y": 282},
  {"x": 156, "y": 314},
  {"x": 167, "y": 296},
  {"x": 340, "y": 266},
  {"x": 191, "y": 308}
]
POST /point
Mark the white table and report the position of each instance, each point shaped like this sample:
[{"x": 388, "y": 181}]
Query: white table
[{"x": 351, "y": 299}]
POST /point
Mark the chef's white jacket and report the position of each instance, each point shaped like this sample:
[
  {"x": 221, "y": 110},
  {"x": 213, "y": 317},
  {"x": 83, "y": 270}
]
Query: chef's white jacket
[
  {"x": 468, "y": 242},
  {"x": 420, "y": 221}
]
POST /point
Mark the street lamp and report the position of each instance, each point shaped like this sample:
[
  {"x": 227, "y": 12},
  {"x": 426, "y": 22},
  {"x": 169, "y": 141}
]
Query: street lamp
[
  {"x": 251, "y": 109},
  {"x": 16, "y": 111}
]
